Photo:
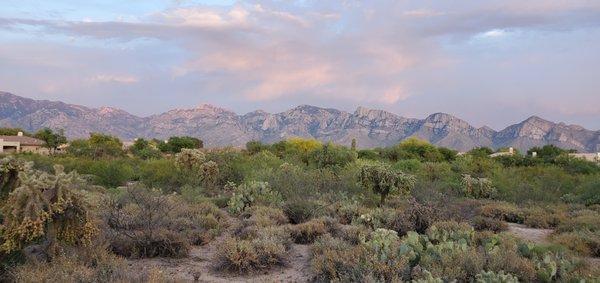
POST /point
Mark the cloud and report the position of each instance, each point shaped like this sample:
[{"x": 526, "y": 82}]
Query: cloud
[
  {"x": 412, "y": 56},
  {"x": 122, "y": 79}
]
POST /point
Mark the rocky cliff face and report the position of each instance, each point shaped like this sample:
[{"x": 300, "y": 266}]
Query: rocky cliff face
[{"x": 220, "y": 127}]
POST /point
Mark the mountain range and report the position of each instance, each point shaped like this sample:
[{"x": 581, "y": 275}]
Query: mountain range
[{"x": 220, "y": 127}]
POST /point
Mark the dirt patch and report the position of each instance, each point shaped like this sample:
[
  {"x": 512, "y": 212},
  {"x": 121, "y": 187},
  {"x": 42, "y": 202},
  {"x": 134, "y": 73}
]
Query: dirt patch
[
  {"x": 538, "y": 236},
  {"x": 198, "y": 265}
]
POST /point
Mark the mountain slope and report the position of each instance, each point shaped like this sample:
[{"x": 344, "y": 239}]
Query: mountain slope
[{"x": 221, "y": 127}]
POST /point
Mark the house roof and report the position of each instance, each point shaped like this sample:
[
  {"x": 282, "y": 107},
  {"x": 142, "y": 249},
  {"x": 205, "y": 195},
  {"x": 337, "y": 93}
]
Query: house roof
[{"x": 23, "y": 140}]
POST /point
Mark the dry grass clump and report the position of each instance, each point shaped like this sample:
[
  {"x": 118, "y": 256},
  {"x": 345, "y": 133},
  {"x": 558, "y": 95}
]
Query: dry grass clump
[
  {"x": 335, "y": 260},
  {"x": 84, "y": 265},
  {"x": 307, "y": 232},
  {"x": 246, "y": 256},
  {"x": 258, "y": 218},
  {"x": 544, "y": 218},
  {"x": 300, "y": 211},
  {"x": 502, "y": 211},
  {"x": 481, "y": 223},
  {"x": 415, "y": 217},
  {"x": 584, "y": 242},
  {"x": 581, "y": 220}
]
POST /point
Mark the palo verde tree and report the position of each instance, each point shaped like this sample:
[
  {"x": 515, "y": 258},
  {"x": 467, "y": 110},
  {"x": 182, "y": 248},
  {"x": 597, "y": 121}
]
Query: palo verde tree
[
  {"x": 383, "y": 180},
  {"x": 46, "y": 208}
]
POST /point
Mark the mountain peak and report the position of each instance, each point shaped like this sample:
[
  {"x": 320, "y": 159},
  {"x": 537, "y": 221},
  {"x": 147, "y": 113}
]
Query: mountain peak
[
  {"x": 536, "y": 120},
  {"x": 220, "y": 127}
]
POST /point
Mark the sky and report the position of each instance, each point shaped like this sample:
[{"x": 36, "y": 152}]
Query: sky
[{"x": 490, "y": 62}]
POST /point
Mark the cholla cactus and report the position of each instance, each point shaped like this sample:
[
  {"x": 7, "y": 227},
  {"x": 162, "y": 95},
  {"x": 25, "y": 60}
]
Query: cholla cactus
[
  {"x": 189, "y": 159},
  {"x": 383, "y": 180},
  {"x": 10, "y": 168},
  {"x": 210, "y": 174},
  {"x": 493, "y": 277},
  {"x": 248, "y": 194},
  {"x": 477, "y": 187},
  {"x": 382, "y": 243},
  {"x": 46, "y": 206}
]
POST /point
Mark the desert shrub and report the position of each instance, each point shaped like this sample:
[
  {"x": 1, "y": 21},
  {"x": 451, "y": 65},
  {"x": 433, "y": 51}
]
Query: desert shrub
[
  {"x": 145, "y": 223},
  {"x": 245, "y": 256},
  {"x": 111, "y": 173},
  {"x": 334, "y": 260},
  {"x": 300, "y": 211},
  {"x": 490, "y": 224},
  {"x": 502, "y": 211},
  {"x": 477, "y": 187},
  {"x": 308, "y": 232},
  {"x": 346, "y": 211},
  {"x": 581, "y": 220},
  {"x": 415, "y": 217},
  {"x": 72, "y": 268},
  {"x": 350, "y": 233},
  {"x": 160, "y": 173},
  {"x": 253, "y": 193},
  {"x": 538, "y": 217},
  {"x": 263, "y": 216},
  {"x": 584, "y": 242}
]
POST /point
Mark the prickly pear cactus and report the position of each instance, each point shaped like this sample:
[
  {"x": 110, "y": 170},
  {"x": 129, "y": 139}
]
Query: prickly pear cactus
[
  {"x": 246, "y": 195},
  {"x": 383, "y": 243}
]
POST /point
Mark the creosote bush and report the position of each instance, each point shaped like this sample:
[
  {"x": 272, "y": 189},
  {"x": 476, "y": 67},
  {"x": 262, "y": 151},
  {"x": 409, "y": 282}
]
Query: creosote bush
[{"x": 145, "y": 223}]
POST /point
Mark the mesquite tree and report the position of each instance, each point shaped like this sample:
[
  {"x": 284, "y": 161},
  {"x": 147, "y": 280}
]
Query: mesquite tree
[{"x": 383, "y": 180}]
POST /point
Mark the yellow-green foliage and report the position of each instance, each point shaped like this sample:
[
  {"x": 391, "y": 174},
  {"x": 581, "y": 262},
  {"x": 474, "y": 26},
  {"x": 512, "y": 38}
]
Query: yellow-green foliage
[{"x": 46, "y": 206}]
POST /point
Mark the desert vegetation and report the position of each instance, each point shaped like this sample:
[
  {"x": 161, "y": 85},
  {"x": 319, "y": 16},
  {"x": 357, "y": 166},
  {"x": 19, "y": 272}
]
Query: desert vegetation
[{"x": 313, "y": 211}]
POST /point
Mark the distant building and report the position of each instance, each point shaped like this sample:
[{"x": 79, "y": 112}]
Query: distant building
[
  {"x": 511, "y": 151},
  {"x": 21, "y": 143}
]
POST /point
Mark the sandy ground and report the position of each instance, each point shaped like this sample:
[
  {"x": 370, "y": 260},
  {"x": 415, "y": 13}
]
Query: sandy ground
[
  {"x": 530, "y": 234},
  {"x": 198, "y": 265}
]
